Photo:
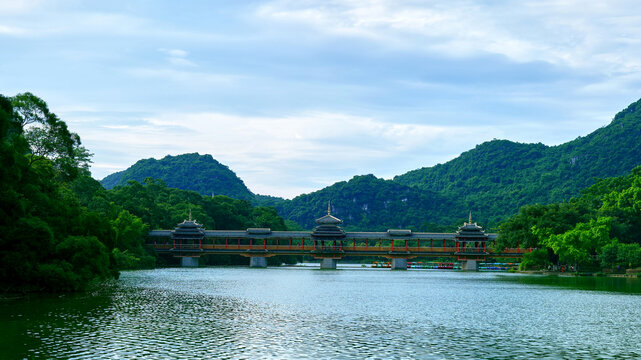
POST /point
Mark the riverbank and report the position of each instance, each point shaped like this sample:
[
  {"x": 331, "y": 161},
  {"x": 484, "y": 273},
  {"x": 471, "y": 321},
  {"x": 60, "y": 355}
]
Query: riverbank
[{"x": 633, "y": 274}]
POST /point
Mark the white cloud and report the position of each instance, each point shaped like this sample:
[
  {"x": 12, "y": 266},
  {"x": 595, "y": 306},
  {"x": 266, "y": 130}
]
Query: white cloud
[
  {"x": 11, "y": 30},
  {"x": 287, "y": 155},
  {"x": 14, "y": 7},
  {"x": 571, "y": 33},
  {"x": 513, "y": 69},
  {"x": 177, "y": 57}
]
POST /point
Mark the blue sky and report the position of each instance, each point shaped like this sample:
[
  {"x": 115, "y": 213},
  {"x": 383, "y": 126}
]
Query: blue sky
[{"x": 296, "y": 95}]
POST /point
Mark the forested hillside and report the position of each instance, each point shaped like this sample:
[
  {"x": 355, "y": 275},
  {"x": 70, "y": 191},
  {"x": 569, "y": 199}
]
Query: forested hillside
[
  {"x": 368, "y": 203},
  {"x": 497, "y": 177},
  {"x": 200, "y": 173},
  {"x": 60, "y": 229},
  {"x": 493, "y": 180},
  {"x": 600, "y": 228}
]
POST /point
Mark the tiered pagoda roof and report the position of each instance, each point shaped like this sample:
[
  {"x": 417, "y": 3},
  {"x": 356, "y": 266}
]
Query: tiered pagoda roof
[
  {"x": 328, "y": 227},
  {"x": 471, "y": 231},
  {"x": 188, "y": 229}
]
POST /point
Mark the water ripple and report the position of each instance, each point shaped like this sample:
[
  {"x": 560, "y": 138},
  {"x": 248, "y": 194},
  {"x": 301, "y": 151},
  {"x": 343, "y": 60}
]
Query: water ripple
[{"x": 235, "y": 313}]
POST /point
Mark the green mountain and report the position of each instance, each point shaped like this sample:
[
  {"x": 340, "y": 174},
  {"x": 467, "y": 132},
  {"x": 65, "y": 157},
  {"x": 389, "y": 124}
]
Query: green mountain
[
  {"x": 200, "y": 173},
  {"x": 493, "y": 180},
  {"x": 369, "y": 203},
  {"x": 497, "y": 177}
]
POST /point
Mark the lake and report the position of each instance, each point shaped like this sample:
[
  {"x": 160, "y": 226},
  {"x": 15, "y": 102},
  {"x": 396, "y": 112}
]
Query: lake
[{"x": 356, "y": 313}]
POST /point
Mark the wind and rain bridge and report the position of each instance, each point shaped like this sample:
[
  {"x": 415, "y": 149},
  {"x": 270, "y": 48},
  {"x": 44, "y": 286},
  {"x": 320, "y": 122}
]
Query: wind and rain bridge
[{"x": 329, "y": 243}]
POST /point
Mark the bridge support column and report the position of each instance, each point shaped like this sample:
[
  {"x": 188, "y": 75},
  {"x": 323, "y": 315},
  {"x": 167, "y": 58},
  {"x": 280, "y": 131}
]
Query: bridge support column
[
  {"x": 470, "y": 265},
  {"x": 328, "y": 264},
  {"x": 258, "y": 262},
  {"x": 399, "y": 264},
  {"x": 189, "y": 262}
]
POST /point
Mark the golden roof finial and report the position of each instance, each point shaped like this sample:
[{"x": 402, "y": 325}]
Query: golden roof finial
[
  {"x": 470, "y": 216},
  {"x": 329, "y": 206},
  {"x": 189, "y": 214}
]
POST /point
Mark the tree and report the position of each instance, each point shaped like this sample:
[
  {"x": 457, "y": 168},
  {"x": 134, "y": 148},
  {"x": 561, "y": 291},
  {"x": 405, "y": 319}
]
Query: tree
[
  {"x": 49, "y": 241},
  {"x": 49, "y": 137},
  {"x": 616, "y": 254},
  {"x": 579, "y": 245}
]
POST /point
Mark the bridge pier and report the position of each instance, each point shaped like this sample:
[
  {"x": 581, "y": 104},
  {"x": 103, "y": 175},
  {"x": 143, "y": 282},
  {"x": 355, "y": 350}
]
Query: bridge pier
[
  {"x": 258, "y": 262},
  {"x": 328, "y": 264},
  {"x": 189, "y": 262},
  {"x": 470, "y": 265},
  {"x": 399, "y": 264}
]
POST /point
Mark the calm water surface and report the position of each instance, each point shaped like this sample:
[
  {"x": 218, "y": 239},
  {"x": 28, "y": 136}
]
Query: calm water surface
[{"x": 297, "y": 313}]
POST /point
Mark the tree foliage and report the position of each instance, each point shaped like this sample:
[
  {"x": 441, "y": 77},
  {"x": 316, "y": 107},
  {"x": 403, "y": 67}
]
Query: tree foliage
[
  {"x": 46, "y": 243},
  {"x": 48, "y": 137},
  {"x": 60, "y": 229},
  {"x": 162, "y": 207},
  {"x": 200, "y": 173},
  {"x": 498, "y": 177},
  {"x": 367, "y": 203},
  {"x": 602, "y": 226}
]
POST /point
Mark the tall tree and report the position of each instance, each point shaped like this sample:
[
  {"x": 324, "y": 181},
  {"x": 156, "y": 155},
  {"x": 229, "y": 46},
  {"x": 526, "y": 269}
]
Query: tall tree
[{"x": 49, "y": 137}]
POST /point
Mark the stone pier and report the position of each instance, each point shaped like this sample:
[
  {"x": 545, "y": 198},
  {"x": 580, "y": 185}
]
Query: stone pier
[
  {"x": 328, "y": 264},
  {"x": 189, "y": 262},
  {"x": 258, "y": 262},
  {"x": 470, "y": 265},
  {"x": 399, "y": 264}
]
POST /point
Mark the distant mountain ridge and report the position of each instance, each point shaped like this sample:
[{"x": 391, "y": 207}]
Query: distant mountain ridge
[
  {"x": 200, "y": 173},
  {"x": 493, "y": 180},
  {"x": 366, "y": 202},
  {"x": 497, "y": 177}
]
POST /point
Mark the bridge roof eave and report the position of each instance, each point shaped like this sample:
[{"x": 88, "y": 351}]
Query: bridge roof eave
[
  {"x": 387, "y": 236},
  {"x": 242, "y": 234}
]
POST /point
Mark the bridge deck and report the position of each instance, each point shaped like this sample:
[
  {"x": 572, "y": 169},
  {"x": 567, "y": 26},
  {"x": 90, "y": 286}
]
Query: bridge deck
[
  {"x": 385, "y": 244},
  {"x": 335, "y": 251}
]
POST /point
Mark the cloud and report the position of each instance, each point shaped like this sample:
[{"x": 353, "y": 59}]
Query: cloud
[
  {"x": 569, "y": 33},
  {"x": 294, "y": 95},
  {"x": 11, "y": 30},
  {"x": 192, "y": 78},
  {"x": 14, "y": 7},
  {"x": 177, "y": 57},
  {"x": 286, "y": 155}
]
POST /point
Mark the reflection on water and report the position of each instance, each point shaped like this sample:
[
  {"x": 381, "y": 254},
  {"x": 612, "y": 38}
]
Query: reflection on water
[
  {"x": 616, "y": 284},
  {"x": 301, "y": 313}
]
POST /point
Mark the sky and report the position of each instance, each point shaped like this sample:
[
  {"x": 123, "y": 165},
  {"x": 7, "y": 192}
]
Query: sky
[{"x": 296, "y": 95}]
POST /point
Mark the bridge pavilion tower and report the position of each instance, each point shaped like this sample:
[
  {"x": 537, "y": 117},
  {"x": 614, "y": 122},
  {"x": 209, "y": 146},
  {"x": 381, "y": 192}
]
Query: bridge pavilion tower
[
  {"x": 187, "y": 238},
  {"x": 328, "y": 239},
  {"x": 471, "y": 245}
]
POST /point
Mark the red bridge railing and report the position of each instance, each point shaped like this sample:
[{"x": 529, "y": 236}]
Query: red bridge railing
[{"x": 349, "y": 247}]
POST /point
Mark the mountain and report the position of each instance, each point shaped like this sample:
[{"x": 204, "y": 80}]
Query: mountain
[
  {"x": 200, "y": 173},
  {"x": 493, "y": 180},
  {"x": 497, "y": 177},
  {"x": 369, "y": 203}
]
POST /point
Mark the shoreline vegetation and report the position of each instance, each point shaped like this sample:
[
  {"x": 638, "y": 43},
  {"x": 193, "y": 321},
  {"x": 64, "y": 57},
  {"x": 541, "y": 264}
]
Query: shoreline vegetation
[{"x": 61, "y": 230}]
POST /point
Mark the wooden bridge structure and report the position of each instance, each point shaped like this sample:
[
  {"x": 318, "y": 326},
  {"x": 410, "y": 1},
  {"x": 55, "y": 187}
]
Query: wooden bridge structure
[{"x": 329, "y": 243}]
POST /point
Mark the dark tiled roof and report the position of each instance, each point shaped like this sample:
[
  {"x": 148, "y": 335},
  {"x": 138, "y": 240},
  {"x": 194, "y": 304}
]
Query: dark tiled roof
[{"x": 188, "y": 229}]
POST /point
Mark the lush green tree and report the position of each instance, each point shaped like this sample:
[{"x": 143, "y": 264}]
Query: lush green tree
[
  {"x": 618, "y": 255},
  {"x": 49, "y": 241},
  {"x": 268, "y": 217},
  {"x": 580, "y": 244},
  {"x": 160, "y": 207},
  {"x": 537, "y": 259},
  {"x": 49, "y": 137}
]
